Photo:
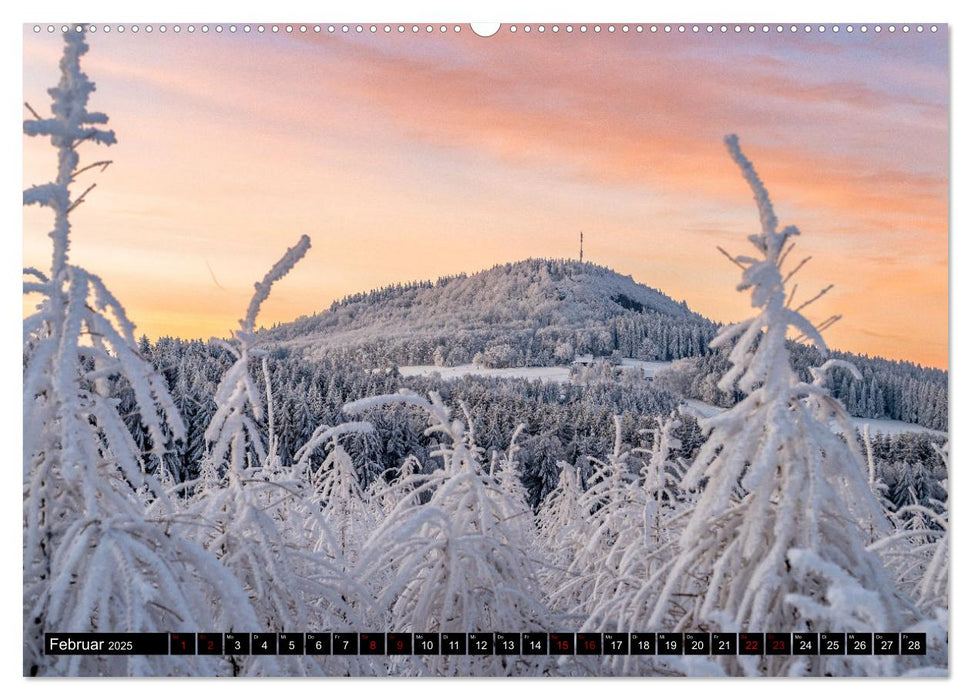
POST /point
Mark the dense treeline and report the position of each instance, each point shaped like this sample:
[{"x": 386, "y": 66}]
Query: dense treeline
[
  {"x": 561, "y": 422},
  {"x": 887, "y": 388}
]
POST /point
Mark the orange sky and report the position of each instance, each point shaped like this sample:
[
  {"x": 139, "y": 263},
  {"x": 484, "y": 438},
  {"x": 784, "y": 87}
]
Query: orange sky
[{"x": 408, "y": 157}]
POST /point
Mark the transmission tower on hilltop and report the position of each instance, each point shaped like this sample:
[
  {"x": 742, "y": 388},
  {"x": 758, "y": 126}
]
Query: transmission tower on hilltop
[{"x": 581, "y": 246}]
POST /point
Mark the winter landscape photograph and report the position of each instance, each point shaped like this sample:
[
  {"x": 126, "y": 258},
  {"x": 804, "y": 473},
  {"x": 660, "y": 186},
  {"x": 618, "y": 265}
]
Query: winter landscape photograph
[{"x": 572, "y": 350}]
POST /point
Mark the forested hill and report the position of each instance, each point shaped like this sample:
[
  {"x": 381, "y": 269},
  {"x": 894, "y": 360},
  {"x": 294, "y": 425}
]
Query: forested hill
[
  {"x": 533, "y": 312},
  {"x": 546, "y": 312}
]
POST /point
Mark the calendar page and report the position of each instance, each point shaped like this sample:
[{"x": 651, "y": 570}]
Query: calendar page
[{"x": 514, "y": 349}]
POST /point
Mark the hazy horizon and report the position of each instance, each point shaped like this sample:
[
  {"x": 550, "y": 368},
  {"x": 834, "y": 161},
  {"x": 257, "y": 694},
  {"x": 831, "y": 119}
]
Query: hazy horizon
[
  {"x": 326, "y": 307},
  {"x": 413, "y": 157}
]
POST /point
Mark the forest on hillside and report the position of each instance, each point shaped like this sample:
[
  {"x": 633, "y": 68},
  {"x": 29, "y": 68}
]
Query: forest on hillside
[
  {"x": 556, "y": 422},
  {"x": 542, "y": 313}
]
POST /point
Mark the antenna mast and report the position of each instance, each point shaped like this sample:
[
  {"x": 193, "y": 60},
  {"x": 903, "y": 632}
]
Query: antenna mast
[{"x": 581, "y": 246}]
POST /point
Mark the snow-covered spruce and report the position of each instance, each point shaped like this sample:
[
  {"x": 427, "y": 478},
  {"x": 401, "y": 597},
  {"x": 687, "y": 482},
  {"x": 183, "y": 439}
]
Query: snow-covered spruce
[
  {"x": 234, "y": 439},
  {"x": 262, "y": 520},
  {"x": 94, "y": 560},
  {"x": 645, "y": 517},
  {"x": 621, "y": 532},
  {"x": 454, "y": 561},
  {"x": 776, "y": 540},
  {"x": 606, "y": 510},
  {"x": 335, "y": 487},
  {"x": 919, "y": 550}
]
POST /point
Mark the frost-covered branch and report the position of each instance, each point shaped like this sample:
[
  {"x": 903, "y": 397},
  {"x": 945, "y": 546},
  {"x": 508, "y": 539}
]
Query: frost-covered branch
[
  {"x": 234, "y": 429},
  {"x": 275, "y": 274}
]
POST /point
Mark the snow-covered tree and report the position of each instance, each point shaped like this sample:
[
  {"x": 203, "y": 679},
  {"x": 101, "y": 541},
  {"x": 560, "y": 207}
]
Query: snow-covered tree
[
  {"x": 95, "y": 555},
  {"x": 606, "y": 511},
  {"x": 335, "y": 486},
  {"x": 660, "y": 475},
  {"x": 636, "y": 515},
  {"x": 919, "y": 552},
  {"x": 877, "y": 485},
  {"x": 264, "y": 521},
  {"x": 235, "y": 439},
  {"x": 452, "y": 562},
  {"x": 517, "y": 513},
  {"x": 561, "y": 527},
  {"x": 776, "y": 540}
]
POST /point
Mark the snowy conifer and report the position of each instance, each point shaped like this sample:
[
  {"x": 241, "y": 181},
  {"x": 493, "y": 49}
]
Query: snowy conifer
[
  {"x": 775, "y": 540},
  {"x": 452, "y": 562},
  {"x": 246, "y": 504},
  {"x": 93, "y": 559},
  {"x": 642, "y": 540},
  {"x": 335, "y": 486},
  {"x": 919, "y": 552}
]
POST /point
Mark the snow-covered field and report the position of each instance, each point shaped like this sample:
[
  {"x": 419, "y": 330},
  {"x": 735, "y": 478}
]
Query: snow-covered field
[
  {"x": 548, "y": 374},
  {"x": 893, "y": 427},
  {"x": 647, "y": 367},
  {"x": 878, "y": 426}
]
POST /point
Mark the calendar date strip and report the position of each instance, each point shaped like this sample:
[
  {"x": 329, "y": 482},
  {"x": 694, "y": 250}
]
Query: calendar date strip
[{"x": 488, "y": 643}]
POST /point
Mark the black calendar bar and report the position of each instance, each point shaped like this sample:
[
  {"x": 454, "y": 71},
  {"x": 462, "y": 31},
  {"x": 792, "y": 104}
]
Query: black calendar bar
[
  {"x": 562, "y": 642},
  {"x": 344, "y": 643},
  {"x": 805, "y": 643},
  {"x": 643, "y": 643},
  {"x": 428, "y": 643},
  {"x": 263, "y": 643},
  {"x": 751, "y": 643},
  {"x": 832, "y": 643},
  {"x": 913, "y": 643},
  {"x": 724, "y": 643},
  {"x": 182, "y": 643},
  {"x": 697, "y": 643},
  {"x": 859, "y": 643},
  {"x": 670, "y": 643},
  {"x": 536, "y": 643},
  {"x": 95, "y": 644},
  {"x": 237, "y": 643},
  {"x": 455, "y": 643},
  {"x": 290, "y": 643},
  {"x": 371, "y": 643},
  {"x": 778, "y": 644},
  {"x": 886, "y": 643},
  {"x": 482, "y": 643},
  {"x": 489, "y": 643},
  {"x": 318, "y": 643}
]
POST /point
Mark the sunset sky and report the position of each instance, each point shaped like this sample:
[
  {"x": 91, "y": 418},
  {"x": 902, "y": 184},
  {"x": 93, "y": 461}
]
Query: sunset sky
[{"x": 410, "y": 156}]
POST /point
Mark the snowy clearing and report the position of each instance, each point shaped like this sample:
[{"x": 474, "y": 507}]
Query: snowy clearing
[
  {"x": 548, "y": 374},
  {"x": 878, "y": 426}
]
